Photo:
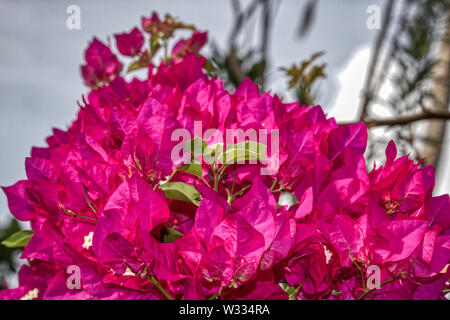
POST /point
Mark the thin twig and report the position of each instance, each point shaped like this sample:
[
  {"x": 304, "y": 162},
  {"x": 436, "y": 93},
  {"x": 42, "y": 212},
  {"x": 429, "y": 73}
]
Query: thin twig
[
  {"x": 403, "y": 120},
  {"x": 155, "y": 282},
  {"x": 265, "y": 39}
]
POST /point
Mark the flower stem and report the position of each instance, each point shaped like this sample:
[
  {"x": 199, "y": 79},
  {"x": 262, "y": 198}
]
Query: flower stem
[
  {"x": 273, "y": 184},
  {"x": 166, "y": 51},
  {"x": 73, "y": 214},
  {"x": 363, "y": 279},
  {"x": 86, "y": 198},
  {"x": 367, "y": 291},
  {"x": 216, "y": 178},
  {"x": 214, "y": 297},
  {"x": 241, "y": 192},
  {"x": 171, "y": 175},
  {"x": 154, "y": 281}
]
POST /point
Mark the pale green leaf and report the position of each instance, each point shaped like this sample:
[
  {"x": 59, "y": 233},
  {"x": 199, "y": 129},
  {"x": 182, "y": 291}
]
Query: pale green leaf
[
  {"x": 181, "y": 191},
  {"x": 19, "y": 239}
]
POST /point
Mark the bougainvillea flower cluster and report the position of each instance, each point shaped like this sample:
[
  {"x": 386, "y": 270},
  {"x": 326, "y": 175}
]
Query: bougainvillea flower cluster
[{"x": 107, "y": 197}]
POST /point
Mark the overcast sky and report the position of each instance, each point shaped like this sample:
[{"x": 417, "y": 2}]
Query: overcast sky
[{"x": 40, "y": 58}]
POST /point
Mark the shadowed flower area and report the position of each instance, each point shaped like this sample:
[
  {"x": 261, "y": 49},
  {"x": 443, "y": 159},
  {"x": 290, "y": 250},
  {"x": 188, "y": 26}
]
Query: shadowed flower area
[{"x": 108, "y": 196}]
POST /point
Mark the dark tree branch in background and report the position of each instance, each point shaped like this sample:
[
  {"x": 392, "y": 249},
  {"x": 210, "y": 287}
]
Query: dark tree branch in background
[
  {"x": 389, "y": 57},
  {"x": 403, "y": 120},
  {"x": 233, "y": 65},
  {"x": 441, "y": 96},
  {"x": 308, "y": 16},
  {"x": 240, "y": 63},
  {"x": 241, "y": 16},
  {"x": 368, "y": 91},
  {"x": 265, "y": 39}
]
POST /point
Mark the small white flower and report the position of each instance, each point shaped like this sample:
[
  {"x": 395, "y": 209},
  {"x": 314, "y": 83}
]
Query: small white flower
[
  {"x": 32, "y": 294},
  {"x": 128, "y": 272},
  {"x": 88, "y": 240},
  {"x": 328, "y": 254}
]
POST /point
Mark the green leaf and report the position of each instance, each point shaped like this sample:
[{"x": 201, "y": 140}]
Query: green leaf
[
  {"x": 193, "y": 168},
  {"x": 195, "y": 146},
  {"x": 213, "y": 152},
  {"x": 135, "y": 65},
  {"x": 256, "y": 72},
  {"x": 209, "y": 67},
  {"x": 336, "y": 293},
  {"x": 287, "y": 199},
  {"x": 182, "y": 25},
  {"x": 313, "y": 74},
  {"x": 283, "y": 285},
  {"x": 19, "y": 239},
  {"x": 181, "y": 191},
  {"x": 298, "y": 75},
  {"x": 170, "y": 235},
  {"x": 244, "y": 151},
  {"x": 155, "y": 44},
  {"x": 291, "y": 291}
]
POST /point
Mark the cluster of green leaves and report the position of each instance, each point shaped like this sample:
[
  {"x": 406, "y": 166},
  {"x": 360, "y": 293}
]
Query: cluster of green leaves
[
  {"x": 304, "y": 76},
  {"x": 218, "y": 153},
  {"x": 6, "y": 251},
  {"x": 214, "y": 155}
]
